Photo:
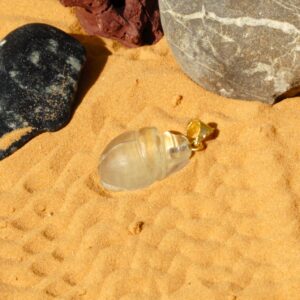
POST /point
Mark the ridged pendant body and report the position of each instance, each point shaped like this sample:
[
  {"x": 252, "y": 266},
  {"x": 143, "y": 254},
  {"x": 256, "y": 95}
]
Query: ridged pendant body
[{"x": 136, "y": 159}]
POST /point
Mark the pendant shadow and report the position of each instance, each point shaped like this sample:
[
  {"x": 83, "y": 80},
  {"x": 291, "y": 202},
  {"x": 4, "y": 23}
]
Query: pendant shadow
[
  {"x": 97, "y": 55},
  {"x": 216, "y": 132}
]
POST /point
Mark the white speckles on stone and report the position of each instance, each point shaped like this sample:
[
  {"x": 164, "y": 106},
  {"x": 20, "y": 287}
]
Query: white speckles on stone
[
  {"x": 2, "y": 43},
  {"x": 74, "y": 63},
  {"x": 53, "y": 46},
  {"x": 247, "y": 21},
  {"x": 225, "y": 93},
  {"x": 71, "y": 81},
  {"x": 38, "y": 109},
  {"x": 12, "y": 125},
  {"x": 281, "y": 81},
  {"x": 13, "y": 74},
  {"x": 59, "y": 85},
  {"x": 53, "y": 89},
  {"x": 20, "y": 120},
  {"x": 280, "y": 78},
  {"x": 240, "y": 21},
  {"x": 262, "y": 68},
  {"x": 35, "y": 57}
]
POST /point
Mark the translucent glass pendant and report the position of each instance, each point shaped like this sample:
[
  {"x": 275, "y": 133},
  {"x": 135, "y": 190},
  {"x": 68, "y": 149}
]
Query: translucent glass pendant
[{"x": 136, "y": 159}]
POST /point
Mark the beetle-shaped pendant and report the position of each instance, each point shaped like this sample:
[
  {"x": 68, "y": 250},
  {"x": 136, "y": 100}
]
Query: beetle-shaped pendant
[{"x": 136, "y": 159}]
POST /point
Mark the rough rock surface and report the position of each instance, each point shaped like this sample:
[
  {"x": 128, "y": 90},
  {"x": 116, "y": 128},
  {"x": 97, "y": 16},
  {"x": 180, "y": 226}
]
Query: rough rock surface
[
  {"x": 131, "y": 22},
  {"x": 240, "y": 49},
  {"x": 39, "y": 72}
]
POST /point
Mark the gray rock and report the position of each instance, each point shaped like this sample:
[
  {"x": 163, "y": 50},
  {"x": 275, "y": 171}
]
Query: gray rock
[{"x": 247, "y": 49}]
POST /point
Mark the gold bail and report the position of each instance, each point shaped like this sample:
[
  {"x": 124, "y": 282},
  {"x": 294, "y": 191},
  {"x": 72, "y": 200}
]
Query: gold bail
[{"x": 197, "y": 132}]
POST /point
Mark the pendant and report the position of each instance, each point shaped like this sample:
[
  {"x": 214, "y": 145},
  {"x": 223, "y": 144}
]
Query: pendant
[{"x": 136, "y": 159}]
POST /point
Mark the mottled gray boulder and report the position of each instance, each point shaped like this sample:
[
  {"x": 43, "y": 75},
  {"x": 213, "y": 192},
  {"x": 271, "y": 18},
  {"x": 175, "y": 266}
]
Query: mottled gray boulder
[{"x": 248, "y": 49}]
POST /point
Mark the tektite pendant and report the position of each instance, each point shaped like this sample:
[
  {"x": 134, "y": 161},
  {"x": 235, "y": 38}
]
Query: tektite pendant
[{"x": 136, "y": 159}]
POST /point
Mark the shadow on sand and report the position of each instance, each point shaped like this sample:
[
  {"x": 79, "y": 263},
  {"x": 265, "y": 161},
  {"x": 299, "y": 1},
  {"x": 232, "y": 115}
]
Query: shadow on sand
[
  {"x": 293, "y": 92},
  {"x": 97, "y": 55}
]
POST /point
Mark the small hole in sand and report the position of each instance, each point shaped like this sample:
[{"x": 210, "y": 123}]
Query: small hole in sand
[
  {"x": 136, "y": 227},
  {"x": 177, "y": 100},
  {"x": 58, "y": 255},
  {"x": 38, "y": 270},
  {"x": 70, "y": 279}
]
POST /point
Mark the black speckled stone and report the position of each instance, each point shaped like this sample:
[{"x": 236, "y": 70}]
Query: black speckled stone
[{"x": 40, "y": 67}]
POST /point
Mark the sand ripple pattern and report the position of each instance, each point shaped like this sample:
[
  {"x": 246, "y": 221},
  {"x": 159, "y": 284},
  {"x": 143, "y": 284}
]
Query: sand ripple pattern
[{"x": 224, "y": 227}]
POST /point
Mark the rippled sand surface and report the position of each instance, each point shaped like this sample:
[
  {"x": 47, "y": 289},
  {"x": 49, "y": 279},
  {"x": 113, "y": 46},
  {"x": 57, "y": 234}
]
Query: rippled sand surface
[{"x": 227, "y": 226}]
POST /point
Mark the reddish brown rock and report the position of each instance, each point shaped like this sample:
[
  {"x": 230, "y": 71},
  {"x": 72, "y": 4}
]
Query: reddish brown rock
[{"x": 132, "y": 22}]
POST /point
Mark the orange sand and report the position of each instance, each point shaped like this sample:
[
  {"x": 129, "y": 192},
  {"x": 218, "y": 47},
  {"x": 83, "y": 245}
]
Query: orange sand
[
  {"x": 9, "y": 138},
  {"x": 225, "y": 227}
]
